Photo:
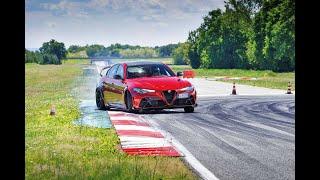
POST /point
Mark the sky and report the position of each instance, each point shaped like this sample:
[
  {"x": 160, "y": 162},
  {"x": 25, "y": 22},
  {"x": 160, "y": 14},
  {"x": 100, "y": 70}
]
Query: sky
[{"x": 105, "y": 22}]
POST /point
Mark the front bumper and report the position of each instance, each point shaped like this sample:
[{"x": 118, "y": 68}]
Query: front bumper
[{"x": 160, "y": 100}]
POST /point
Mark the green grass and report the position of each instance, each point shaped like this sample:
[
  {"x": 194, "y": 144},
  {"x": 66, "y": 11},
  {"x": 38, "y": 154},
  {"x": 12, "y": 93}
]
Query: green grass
[
  {"x": 75, "y": 61},
  {"x": 58, "y": 149},
  {"x": 266, "y": 79}
]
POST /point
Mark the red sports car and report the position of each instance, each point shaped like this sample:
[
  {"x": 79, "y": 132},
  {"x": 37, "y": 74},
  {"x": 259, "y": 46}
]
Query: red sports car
[{"x": 139, "y": 86}]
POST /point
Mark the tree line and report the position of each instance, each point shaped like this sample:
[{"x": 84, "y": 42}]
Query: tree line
[
  {"x": 248, "y": 34},
  {"x": 53, "y": 52},
  {"x": 124, "y": 51}
]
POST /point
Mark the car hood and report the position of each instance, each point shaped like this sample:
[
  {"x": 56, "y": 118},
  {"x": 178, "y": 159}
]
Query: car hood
[{"x": 158, "y": 83}]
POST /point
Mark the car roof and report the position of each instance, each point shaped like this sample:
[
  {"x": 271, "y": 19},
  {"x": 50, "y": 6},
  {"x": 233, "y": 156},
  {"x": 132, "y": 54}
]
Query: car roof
[{"x": 137, "y": 63}]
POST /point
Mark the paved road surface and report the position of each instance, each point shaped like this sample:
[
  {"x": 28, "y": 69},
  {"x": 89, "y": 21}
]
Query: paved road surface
[
  {"x": 217, "y": 88},
  {"x": 238, "y": 137}
]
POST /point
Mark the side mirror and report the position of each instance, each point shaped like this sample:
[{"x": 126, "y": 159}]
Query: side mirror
[
  {"x": 179, "y": 73},
  {"x": 117, "y": 76}
]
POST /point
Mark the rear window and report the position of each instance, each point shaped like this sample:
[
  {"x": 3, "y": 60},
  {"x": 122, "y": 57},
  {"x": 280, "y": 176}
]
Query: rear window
[{"x": 148, "y": 70}]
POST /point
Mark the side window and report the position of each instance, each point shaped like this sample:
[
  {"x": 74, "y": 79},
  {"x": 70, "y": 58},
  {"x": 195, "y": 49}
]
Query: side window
[
  {"x": 112, "y": 71},
  {"x": 109, "y": 72},
  {"x": 120, "y": 71}
]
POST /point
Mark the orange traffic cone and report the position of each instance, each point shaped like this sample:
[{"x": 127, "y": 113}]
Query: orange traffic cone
[
  {"x": 234, "y": 92},
  {"x": 53, "y": 110},
  {"x": 289, "y": 88}
]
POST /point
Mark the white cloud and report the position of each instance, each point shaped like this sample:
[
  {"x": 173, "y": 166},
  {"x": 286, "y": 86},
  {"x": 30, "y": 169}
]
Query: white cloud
[
  {"x": 125, "y": 4},
  {"x": 51, "y": 24},
  {"x": 144, "y": 10},
  {"x": 159, "y": 24},
  {"x": 66, "y": 8},
  {"x": 143, "y": 22},
  {"x": 62, "y": 5}
]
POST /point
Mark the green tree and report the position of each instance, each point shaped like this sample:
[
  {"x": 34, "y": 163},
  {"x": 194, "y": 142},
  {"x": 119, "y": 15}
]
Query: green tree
[
  {"x": 193, "y": 54},
  {"x": 256, "y": 34},
  {"x": 39, "y": 57},
  {"x": 33, "y": 57},
  {"x": 54, "y": 47},
  {"x": 96, "y": 50},
  {"x": 75, "y": 48},
  {"x": 276, "y": 27},
  {"x": 115, "y": 53},
  {"x": 136, "y": 52},
  {"x": 49, "y": 59},
  {"x": 30, "y": 57},
  {"x": 180, "y": 54},
  {"x": 167, "y": 50}
]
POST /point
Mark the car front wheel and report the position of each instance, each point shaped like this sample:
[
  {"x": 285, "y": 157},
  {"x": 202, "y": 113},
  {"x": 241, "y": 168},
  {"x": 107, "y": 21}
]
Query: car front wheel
[
  {"x": 129, "y": 102},
  {"x": 189, "y": 109}
]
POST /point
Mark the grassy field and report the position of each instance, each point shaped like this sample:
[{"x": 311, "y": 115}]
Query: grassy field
[
  {"x": 267, "y": 79},
  {"x": 58, "y": 149},
  {"x": 80, "y": 54}
]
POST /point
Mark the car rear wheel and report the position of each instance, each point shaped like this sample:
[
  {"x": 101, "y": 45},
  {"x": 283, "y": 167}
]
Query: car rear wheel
[
  {"x": 189, "y": 109},
  {"x": 100, "y": 101}
]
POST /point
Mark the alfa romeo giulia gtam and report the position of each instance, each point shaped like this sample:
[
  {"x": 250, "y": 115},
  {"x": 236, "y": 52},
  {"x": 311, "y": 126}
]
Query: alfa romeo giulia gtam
[{"x": 140, "y": 86}]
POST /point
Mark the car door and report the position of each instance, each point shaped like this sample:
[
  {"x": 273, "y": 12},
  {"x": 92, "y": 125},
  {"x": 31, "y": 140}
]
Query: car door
[
  {"x": 119, "y": 86},
  {"x": 108, "y": 84}
]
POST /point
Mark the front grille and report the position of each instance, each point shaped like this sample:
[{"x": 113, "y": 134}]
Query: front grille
[
  {"x": 169, "y": 95},
  {"x": 151, "y": 103},
  {"x": 182, "y": 102}
]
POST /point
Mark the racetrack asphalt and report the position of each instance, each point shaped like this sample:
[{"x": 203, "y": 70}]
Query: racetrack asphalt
[
  {"x": 247, "y": 136},
  {"x": 237, "y": 137}
]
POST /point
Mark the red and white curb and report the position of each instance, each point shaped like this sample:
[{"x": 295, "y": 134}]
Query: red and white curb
[{"x": 138, "y": 137}]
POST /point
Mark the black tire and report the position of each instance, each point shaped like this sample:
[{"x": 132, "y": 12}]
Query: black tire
[
  {"x": 128, "y": 101},
  {"x": 100, "y": 101},
  {"x": 189, "y": 109}
]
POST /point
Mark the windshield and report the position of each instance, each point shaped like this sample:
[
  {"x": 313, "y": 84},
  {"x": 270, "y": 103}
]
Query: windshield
[{"x": 148, "y": 70}]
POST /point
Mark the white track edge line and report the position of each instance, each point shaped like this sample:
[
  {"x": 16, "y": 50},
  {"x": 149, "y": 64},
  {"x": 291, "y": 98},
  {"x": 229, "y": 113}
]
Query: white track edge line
[{"x": 193, "y": 162}]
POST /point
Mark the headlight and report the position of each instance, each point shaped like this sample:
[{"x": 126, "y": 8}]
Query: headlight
[
  {"x": 143, "y": 91},
  {"x": 189, "y": 89}
]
